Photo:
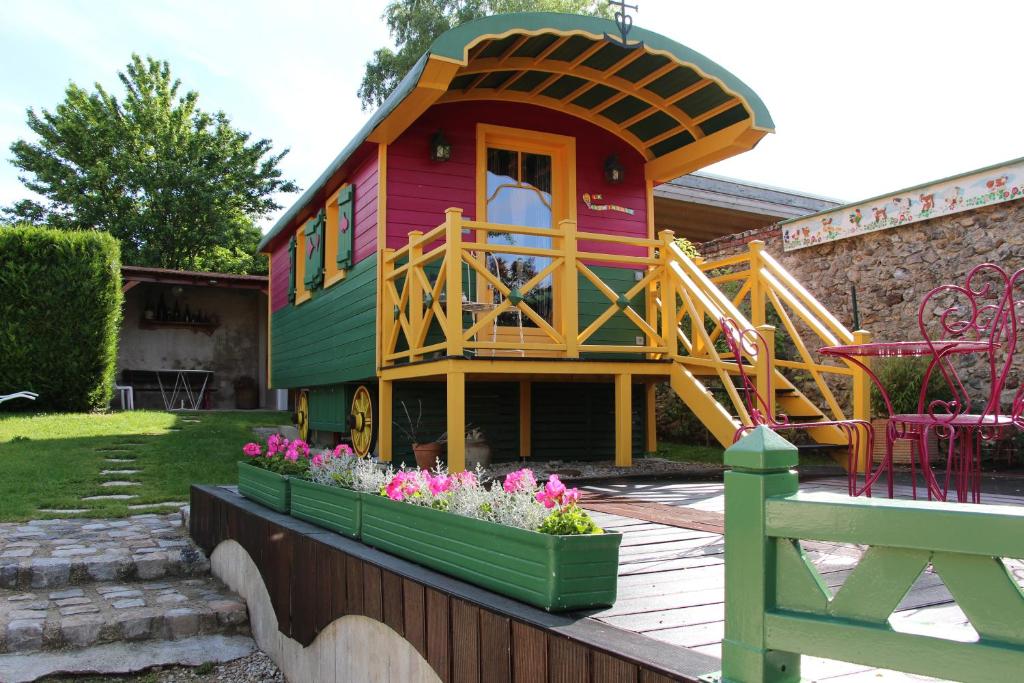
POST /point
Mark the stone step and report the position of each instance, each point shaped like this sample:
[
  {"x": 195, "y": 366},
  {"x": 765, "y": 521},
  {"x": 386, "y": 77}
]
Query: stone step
[
  {"x": 52, "y": 554},
  {"x": 119, "y": 658},
  {"x": 94, "y": 614}
]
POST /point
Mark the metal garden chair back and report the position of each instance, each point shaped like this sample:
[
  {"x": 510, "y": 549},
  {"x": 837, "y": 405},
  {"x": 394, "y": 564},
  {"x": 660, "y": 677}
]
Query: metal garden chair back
[{"x": 749, "y": 343}]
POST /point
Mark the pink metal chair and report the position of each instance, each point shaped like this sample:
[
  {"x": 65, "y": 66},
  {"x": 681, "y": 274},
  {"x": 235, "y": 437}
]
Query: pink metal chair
[
  {"x": 983, "y": 309},
  {"x": 750, "y": 343}
]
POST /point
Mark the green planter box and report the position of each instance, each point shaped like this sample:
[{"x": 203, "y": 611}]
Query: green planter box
[
  {"x": 555, "y": 573},
  {"x": 265, "y": 487},
  {"x": 331, "y": 507}
]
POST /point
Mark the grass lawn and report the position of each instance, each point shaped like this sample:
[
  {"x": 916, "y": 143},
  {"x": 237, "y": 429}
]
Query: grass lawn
[
  {"x": 684, "y": 452},
  {"x": 52, "y": 461}
]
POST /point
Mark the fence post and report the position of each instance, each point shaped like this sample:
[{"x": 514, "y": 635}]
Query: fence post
[
  {"x": 453, "y": 283},
  {"x": 862, "y": 398},
  {"x": 415, "y": 292},
  {"x": 668, "y": 295},
  {"x": 570, "y": 290},
  {"x": 765, "y": 367},
  {"x": 760, "y": 465},
  {"x": 757, "y": 296},
  {"x": 387, "y": 307}
]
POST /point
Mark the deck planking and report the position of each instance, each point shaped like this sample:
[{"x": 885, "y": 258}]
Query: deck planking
[{"x": 672, "y": 571}]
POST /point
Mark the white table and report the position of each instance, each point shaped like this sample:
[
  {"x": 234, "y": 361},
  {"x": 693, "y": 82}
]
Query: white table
[{"x": 182, "y": 389}]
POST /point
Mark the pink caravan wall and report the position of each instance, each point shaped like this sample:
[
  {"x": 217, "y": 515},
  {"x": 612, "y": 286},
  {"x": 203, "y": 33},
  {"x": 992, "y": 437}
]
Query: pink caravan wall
[
  {"x": 419, "y": 190},
  {"x": 364, "y": 177}
]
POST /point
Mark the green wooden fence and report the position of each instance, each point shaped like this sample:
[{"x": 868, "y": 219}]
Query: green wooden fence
[{"x": 777, "y": 607}]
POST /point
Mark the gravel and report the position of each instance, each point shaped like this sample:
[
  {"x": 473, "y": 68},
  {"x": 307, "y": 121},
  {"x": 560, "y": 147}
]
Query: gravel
[
  {"x": 596, "y": 470},
  {"x": 256, "y": 668}
]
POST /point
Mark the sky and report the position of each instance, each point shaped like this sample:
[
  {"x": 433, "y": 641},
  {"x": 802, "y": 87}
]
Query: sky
[{"x": 868, "y": 97}]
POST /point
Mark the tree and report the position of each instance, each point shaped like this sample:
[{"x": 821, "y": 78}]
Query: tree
[
  {"x": 414, "y": 24},
  {"x": 173, "y": 183}
]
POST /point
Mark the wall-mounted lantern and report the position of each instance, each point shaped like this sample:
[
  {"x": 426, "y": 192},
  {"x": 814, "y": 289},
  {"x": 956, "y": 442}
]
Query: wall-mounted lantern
[
  {"x": 440, "y": 148},
  {"x": 613, "y": 171}
]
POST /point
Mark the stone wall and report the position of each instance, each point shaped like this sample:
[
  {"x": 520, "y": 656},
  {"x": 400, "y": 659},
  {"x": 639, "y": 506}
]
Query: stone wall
[{"x": 893, "y": 269}]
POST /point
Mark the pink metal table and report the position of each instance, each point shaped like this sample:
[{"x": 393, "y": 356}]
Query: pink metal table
[{"x": 939, "y": 349}]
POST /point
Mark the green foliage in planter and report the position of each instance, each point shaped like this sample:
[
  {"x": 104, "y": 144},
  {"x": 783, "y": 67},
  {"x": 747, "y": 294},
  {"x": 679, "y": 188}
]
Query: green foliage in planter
[
  {"x": 902, "y": 378},
  {"x": 571, "y": 521},
  {"x": 60, "y": 307}
]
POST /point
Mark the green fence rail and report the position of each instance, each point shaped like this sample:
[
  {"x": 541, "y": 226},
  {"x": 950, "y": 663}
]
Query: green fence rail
[{"x": 777, "y": 606}]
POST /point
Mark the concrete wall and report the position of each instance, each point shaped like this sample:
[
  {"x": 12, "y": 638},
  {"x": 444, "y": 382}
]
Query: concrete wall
[{"x": 236, "y": 348}]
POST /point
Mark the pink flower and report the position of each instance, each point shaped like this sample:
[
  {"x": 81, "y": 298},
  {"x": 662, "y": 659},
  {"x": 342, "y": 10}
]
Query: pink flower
[
  {"x": 343, "y": 449},
  {"x": 403, "y": 484},
  {"x": 394, "y": 489},
  {"x": 252, "y": 449},
  {"x": 551, "y": 494},
  {"x": 439, "y": 484},
  {"x": 291, "y": 454},
  {"x": 571, "y": 497},
  {"x": 465, "y": 478},
  {"x": 317, "y": 460},
  {"x": 520, "y": 480},
  {"x": 300, "y": 445},
  {"x": 273, "y": 444}
]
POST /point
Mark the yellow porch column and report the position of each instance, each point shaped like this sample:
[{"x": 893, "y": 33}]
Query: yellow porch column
[
  {"x": 525, "y": 411},
  {"x": 623, "y": 422},
  {"x": 651, "y": 428},
  {"x": 456, "y": 421},
  {"x": 415, "y": 292},
  {"x": 384, "y": 419},
  {"x": 765, "y": 367},
  {"x": 757, "y": 291},
  {"x": 570, "y": 290}
]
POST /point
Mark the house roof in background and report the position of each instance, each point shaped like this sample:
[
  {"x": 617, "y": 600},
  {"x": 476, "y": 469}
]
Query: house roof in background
[{"x": 137, "y": 274}]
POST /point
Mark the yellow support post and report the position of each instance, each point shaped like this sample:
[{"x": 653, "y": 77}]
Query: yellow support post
[
  {"x": 415, "y": 292},
  {"x": 668, "y": 294},
  {"x": 384, "y": 419},
  {"x": 623, "y": 421},
  {"x": 862, "y": 398},
  {"x": 697, "y": 321},
  {"x": 651, "y": 428},
  {"x": 525, "y": 411},
  {"x": 570, "y": 290},
  {"x": 453, "y": 283},
  {"x": 456, "y": 421},
  {"x": 765, "y": 366},
  {"x": 757, "y": 293},
  {"x": 386, "y": 312}
]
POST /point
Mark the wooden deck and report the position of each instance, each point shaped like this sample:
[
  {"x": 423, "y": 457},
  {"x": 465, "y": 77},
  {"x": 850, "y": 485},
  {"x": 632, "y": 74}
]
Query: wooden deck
[{"x": 671, "y": 573}]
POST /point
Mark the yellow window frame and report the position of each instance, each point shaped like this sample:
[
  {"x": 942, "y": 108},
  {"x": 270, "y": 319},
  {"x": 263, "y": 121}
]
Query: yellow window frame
[
  {"x": 332, "y": 273},
  {"x": 301, "y": 293}
]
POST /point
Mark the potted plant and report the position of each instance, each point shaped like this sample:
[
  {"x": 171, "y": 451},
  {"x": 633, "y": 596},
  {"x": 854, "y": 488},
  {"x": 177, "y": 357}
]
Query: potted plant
[
  {"x": 902, "y": 378},
  {"x": 427, "y": 452},
  {"x": 531, "y": 543},
  {"x": 264, "y": 476},
  {"x": 478, "y": 451},
  {"x": 330, "y": 492}
]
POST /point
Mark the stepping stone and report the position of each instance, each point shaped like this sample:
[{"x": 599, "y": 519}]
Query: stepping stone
[
  {"x": 120, "y": 483},
  {"x": 116, "y": 496},
  {"x": 173, "y": 503},
  {"x": 107, "y": 473},
  {"x": 66, "y": 511},
  {"x": 120, "y": 460}
]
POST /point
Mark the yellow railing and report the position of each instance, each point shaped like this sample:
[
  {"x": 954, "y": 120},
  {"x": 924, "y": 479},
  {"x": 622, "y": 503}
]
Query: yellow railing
[
  {"x": 758, "y": 283},
  {"x": 422, "y": 284}
]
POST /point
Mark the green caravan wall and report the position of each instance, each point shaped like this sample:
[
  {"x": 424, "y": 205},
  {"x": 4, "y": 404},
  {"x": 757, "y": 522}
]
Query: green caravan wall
[
  {"x": 330, "y": 338},
  {"x": 618, "y": 329},
  {"x": 328, "y": 407},
  {"x": 570, "y": 421}
]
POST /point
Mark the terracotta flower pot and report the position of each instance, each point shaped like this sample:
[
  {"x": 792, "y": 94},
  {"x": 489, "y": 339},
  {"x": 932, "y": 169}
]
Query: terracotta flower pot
[{"x": 426, "y": 454}]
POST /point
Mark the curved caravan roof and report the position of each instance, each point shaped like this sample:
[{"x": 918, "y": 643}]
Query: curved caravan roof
[{"x": 677, "y": 108}]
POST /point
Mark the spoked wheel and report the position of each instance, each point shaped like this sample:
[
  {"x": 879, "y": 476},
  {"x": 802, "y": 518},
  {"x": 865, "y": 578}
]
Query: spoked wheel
[
  {"x": 360, "y": 421},
  {"x": 302, "y": 415}
]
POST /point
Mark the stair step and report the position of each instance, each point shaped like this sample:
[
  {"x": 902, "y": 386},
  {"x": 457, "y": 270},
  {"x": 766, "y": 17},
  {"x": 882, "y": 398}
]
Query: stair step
[
  {"x": 113, "y": 659},
  {"x": 48, "y": 555},
  {"x": 104, "y": 612}
]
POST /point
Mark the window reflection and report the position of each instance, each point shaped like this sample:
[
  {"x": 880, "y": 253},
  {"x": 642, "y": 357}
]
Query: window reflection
[{"x": 519, "y": 193}]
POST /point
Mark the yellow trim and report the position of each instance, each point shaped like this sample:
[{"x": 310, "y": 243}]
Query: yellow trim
[
  {"x": 739, "y": 137},
  {"x": 332, "y": 273},
  {"x": 438, "y": 72},
  {"x": 301, "y": 293},
  {"x": 382, "y": 228}
]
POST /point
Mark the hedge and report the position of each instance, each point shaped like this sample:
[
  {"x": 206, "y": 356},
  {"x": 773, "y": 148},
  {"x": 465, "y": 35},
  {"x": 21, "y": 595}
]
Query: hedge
[{"x": 60, "y": 315}]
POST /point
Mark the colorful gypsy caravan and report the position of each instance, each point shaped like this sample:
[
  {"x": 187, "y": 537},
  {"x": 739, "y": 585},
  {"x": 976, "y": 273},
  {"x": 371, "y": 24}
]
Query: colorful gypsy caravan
[{"x": 484, "y": 251}]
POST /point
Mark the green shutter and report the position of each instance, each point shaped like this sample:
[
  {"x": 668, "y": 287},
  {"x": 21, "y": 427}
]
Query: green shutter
[
  {"x": 314, "y": 232},
  {"x": 291, "y": 270},
  {"x": 346, "y": 226}
]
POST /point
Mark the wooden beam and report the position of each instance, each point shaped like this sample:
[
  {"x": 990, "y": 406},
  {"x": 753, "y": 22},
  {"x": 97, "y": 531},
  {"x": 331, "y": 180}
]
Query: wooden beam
[
  {"x": 723, "y": 144},
  {"x": 456, "y": 404},
  {"x": 623, "y": 421}
]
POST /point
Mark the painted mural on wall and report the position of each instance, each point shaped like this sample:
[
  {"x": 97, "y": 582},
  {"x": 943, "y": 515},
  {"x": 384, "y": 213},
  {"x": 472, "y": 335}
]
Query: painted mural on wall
[{"x": 979, "y": 188}]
